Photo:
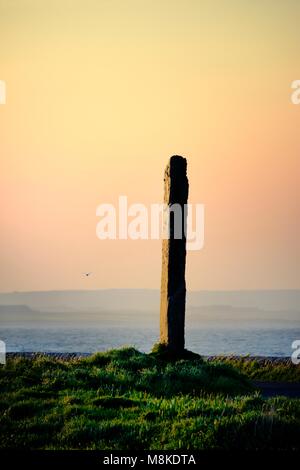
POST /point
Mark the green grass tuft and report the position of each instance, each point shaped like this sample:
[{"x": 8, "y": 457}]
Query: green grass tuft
[{"x": 124, "y": 399}]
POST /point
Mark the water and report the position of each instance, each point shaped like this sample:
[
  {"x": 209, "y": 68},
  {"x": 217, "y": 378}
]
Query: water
[{"x": 207, "y": 340}]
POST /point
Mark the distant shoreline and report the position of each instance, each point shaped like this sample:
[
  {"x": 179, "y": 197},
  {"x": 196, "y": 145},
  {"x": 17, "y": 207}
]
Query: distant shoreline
[{"x": 81, "y": 355}]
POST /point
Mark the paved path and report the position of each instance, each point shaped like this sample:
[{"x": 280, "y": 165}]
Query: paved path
[{"x": 273, "y": 389}]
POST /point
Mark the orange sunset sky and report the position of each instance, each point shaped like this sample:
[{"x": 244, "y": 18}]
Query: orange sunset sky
[{"x": 101, "y": 93}]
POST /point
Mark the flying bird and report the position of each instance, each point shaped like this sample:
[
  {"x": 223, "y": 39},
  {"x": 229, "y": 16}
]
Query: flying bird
[{"x": 87, "y": 274}]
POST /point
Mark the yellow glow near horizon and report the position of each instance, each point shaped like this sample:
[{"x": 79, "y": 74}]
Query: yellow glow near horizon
[{"x": 101, "y": 93}]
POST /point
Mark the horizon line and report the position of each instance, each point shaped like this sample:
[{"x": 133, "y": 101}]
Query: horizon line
[{"x": 149, "y": 289}]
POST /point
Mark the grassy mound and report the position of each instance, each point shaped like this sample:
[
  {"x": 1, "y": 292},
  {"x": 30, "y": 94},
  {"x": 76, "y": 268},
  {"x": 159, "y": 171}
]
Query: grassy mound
[
  {"x": 123, "y": 399},
  {"x": 160, "y": 351}
]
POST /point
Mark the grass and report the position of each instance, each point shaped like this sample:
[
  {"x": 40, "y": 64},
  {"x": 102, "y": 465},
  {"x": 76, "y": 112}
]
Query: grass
[
  {"x": 123, "y": 399},
  {"x": 264, "y": 369}
]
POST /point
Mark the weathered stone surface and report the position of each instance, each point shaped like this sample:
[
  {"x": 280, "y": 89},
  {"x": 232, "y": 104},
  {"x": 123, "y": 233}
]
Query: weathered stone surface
[{"x": 173, "y": 287}]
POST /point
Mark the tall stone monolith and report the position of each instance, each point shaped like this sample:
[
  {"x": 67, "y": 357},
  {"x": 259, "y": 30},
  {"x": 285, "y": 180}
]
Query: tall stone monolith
[{"x": 173, "y": 287}]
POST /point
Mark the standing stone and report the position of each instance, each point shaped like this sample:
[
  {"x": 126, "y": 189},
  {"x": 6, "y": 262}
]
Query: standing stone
[{"x": 173, "y": 288}]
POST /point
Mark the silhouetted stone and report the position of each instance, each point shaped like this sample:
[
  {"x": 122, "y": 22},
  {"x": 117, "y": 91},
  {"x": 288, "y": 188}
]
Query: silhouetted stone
[{"x": 173, "y": 288}]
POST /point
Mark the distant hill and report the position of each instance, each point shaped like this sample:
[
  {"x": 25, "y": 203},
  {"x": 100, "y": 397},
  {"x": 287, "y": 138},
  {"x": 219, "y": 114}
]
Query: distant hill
[
  {"x": 140, "y": 307},
  {"x": 12, "y": 309},
  {"x": 147, "y": 300}
]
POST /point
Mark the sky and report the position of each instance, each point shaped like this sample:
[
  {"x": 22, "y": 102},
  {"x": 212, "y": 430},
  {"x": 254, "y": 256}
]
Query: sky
[{"x": 101, "y": 93}]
